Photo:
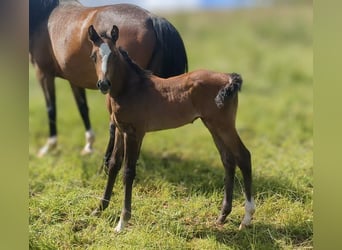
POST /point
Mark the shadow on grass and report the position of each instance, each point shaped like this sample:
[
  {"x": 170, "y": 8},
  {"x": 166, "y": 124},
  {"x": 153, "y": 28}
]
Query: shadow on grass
[
  {"x": 200, "y": 177},
  {"x": 257, "y": 236}
]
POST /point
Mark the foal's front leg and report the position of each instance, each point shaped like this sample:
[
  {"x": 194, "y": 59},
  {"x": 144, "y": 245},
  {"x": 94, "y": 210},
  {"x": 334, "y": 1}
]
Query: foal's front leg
[
  {"x": 132, "y": 149},
  {"x": 109, "y": 149},
  {"x": 114, "y": 168}
]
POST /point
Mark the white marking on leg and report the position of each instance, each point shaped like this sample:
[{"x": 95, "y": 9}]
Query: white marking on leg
[
  {"x": 121, "y": 225},
  {"x": 90, "y": 138},
  {"x": 104, "y": 52},
  {"x": 50, "y": 144},
  {"x": 249, "y": 211}
]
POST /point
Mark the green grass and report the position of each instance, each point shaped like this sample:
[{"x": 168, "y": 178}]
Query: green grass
[{"x": 179, "y": 185}]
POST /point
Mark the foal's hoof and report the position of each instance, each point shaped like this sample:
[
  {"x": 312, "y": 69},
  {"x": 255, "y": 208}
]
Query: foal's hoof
[
  {"x": 120, "y": 227},
  {"x": 243, "y": 226},
  {"x": 97, "y": 212},
  {"x": 245, "y": 223},
  {"x": 220, "y": 221}
]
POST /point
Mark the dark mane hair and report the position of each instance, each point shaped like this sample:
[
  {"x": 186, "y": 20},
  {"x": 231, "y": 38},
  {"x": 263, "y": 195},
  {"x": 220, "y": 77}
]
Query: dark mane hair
[
  {"x": 140, "y": 71},
  {"x": 39, "y": 11}
]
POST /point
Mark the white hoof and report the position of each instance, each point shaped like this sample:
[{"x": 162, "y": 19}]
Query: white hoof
[
  {"x": 87, "y": 150},
  {"x": 49, "y": 145},
  {"x": 121, "y": 225},
  {"x": 249, "y": 211}
]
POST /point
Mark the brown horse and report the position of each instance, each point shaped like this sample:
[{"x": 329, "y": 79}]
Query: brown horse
[
  {"x": 59, "y": 47},
  {"x": 140, "y": 102}
]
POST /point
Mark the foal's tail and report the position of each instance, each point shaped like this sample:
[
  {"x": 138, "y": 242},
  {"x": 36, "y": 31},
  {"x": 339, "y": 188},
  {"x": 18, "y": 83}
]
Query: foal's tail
[
  {"x": 229, "y": 90},
  {"x": 39, "y": 11},
  {"x": 170, "y": 48}
]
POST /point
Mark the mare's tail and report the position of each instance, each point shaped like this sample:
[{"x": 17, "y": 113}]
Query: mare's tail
[
  {"x": 39, "y": 11},
  {"x": 229, "y": 90},
  {"x": 170, "y": 48}
]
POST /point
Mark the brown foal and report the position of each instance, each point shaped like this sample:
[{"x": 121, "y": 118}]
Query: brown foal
[{"x": 140, "y": 102}]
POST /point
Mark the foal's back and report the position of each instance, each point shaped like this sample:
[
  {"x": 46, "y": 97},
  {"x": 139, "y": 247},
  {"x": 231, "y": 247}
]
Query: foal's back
[{"x": 176, "y": 101}]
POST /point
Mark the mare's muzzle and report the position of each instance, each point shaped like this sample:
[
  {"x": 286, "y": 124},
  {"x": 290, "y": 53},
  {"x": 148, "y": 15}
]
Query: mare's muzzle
[{"x": 103, "y": 86}]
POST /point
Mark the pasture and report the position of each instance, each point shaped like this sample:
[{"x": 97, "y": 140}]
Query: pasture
[{"x": 178, "y": 190}]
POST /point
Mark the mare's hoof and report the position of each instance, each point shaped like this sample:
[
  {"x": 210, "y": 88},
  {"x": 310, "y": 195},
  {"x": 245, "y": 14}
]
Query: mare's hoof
[
  {"x": 87, "y": 151},
  {"x": 49, "y": 146}
]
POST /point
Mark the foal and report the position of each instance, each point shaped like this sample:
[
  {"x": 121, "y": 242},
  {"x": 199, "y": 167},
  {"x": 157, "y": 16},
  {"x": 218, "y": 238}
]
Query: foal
[{"x": 140, "y": 102}]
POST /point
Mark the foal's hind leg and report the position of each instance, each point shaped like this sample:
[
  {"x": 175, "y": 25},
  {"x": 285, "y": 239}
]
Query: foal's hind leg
[
  {"x": 243, "y": 160},
  {"x": 229, "y": 165},
  {"x": 233, "y": 152},
  {"x": 81, "y": 101},
  {"x": 114, "y": 168}
]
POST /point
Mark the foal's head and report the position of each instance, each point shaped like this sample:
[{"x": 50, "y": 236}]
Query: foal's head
[{"x": 104, "y": 53}]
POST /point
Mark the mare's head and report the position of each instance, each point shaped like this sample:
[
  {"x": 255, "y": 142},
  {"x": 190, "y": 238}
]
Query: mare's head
[{"x": 104, "y": 53}]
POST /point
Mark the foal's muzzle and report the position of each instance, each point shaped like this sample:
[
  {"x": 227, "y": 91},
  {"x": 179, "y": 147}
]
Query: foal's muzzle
[{"x": 103, "y": 86}]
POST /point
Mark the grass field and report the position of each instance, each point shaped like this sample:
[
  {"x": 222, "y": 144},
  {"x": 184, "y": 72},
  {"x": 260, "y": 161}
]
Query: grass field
[{"x": 179, "y": 186}]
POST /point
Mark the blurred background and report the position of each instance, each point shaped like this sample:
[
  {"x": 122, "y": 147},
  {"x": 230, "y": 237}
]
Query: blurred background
[
  {"x": 186, "y": 5},
  {"x": 270, "y": 44},
  {"x": 181, "y": 5}
]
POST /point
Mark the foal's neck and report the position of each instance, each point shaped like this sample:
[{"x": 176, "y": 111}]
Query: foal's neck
[{"x": 125, "y": 78}]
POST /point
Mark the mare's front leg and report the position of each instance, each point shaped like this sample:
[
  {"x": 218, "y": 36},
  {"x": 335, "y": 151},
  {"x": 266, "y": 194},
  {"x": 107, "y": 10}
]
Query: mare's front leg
[
  {"x": 132, "y": 150},
  {"x": 81, "y": 101},
  {"x": 115, "y": 163},
  {"x": 47, "y": 83}
]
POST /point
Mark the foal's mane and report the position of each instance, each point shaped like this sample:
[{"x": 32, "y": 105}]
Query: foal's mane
[{"x": 144, "y": 74}]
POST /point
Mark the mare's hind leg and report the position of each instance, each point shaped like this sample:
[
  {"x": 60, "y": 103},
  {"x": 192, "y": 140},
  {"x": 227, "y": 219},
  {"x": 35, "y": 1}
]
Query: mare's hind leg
[
  {"x": 47, "y": 83},
  {"x": 115, "y": 163},
  {"x": 81, "y": 101}
]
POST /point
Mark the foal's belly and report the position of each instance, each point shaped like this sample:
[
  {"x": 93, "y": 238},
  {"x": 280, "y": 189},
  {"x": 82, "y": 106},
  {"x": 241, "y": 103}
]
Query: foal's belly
[{"x": 172, "y": 116}]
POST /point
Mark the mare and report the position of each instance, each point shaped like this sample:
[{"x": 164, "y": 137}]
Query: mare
[
  {"x": 140, "y": 102},
  {"x": 59, "y": 47}
]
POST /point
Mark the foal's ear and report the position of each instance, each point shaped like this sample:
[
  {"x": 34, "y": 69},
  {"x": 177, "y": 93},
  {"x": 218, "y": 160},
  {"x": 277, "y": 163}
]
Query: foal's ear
[
  {"x": 92, "y": 34},
  {"x": 114, "y": 33}
]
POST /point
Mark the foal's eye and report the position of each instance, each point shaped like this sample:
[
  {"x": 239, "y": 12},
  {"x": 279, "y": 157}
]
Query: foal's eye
[{"x": 93, "y": 57}]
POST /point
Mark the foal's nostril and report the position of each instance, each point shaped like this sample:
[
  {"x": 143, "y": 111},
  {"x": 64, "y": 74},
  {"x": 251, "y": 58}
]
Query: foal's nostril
[{"x": 98, "y": 84}]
